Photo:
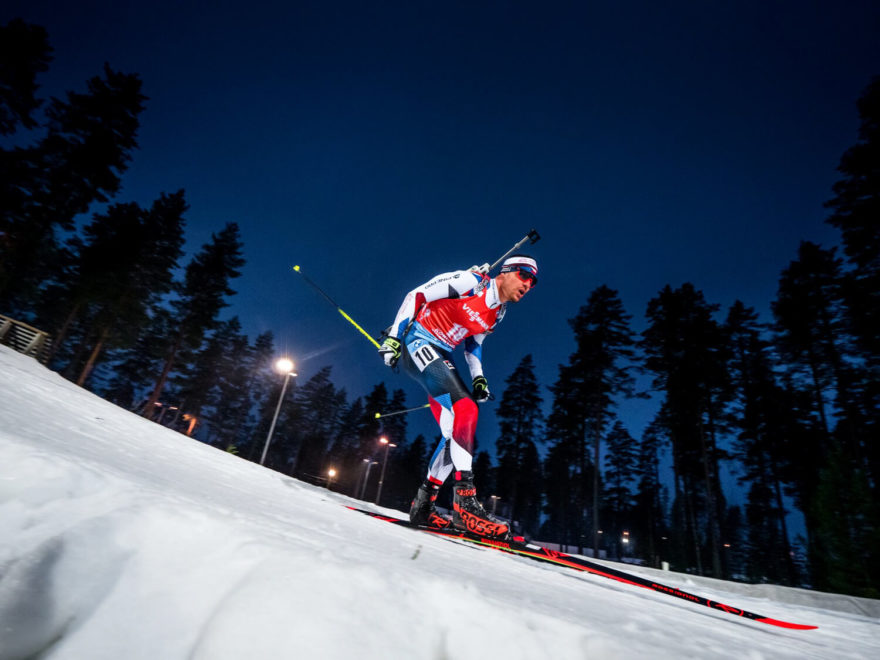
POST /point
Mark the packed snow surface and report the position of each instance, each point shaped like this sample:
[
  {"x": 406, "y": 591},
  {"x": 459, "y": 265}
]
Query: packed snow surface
[{"x": 122, "y": 539}]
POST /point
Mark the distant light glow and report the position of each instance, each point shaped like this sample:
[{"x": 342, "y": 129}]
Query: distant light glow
[{"x": 284, "y": 365}]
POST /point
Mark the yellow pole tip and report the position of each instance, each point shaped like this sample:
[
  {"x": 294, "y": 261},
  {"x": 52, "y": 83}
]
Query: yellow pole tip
[
  {"x": 378, "y": 415},
  {"x": 296, "y": 268}
]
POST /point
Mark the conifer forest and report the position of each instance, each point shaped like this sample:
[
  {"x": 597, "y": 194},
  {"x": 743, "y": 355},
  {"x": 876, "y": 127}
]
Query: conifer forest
[{"x": 789, "y": 404}]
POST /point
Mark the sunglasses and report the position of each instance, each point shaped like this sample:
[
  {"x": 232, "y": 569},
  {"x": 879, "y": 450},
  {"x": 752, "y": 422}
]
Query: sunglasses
[{"x": 527, "y": 276}]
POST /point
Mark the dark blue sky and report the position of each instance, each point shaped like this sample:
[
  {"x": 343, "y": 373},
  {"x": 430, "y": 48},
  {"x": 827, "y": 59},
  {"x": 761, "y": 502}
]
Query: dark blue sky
[{"x": 378, "y": 143}]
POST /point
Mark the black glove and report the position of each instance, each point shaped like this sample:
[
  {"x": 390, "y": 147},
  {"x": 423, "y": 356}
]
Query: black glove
[
  {"x": 481, "y": 389},
  {"x": 390, "y": 350}
]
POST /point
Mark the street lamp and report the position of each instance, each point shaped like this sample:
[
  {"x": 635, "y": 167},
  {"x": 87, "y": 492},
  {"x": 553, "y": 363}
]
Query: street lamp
[
  {"x": 369, "y": 464},
  {"x": 283, "y": 366},
  {"x": 388, "y": 445},
  {"x": 330, "y": 474}
]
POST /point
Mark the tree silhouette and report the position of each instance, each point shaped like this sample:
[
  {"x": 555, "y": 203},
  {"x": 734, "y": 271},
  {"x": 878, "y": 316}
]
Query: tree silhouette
[
  {"x": 649, "y": 523},
  {"x": 24, "y": 52},
  {"x": 621, "y": 460},
  {"x": 520, "y": 423},
  {"x": 88, "y": 145},
  {"x": 856, "y": 208},
  {"x": 124, "y": 266},
  {"x": 598, "y": 372},
  {"x": 685, "y": 349},
  {"x": 763, "y": 420},
  {"x": 202, "y": 296}
]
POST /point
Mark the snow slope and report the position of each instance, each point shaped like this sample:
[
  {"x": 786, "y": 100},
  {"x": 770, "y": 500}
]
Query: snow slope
[{"x": 122, "y": 539}]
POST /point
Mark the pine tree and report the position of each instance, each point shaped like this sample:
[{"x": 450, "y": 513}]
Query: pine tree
[
  {"x": 394, "y": 427},
  {"x": 123, "y": 268},
  {"x": 564, "y": 520},
  {"x": 24, "y": 53},
  {"x": 826, "y": 379},
  {"x": 133, "y": 367},
  {"x": 216, "y": 385},
  {"x": 856, "y": 208},
  {"x": 370, "y": 427},
  {"x": 846, "y": 556},
  {"x": 809, "y": 325},
  {"x": 202, "y": 296},
  {"x": 88, "y": 146},
  {"x": 598, "y": 372},
  {"x": 344, "y": 452},
  {"x": 621, "y": 461},
  {"x": 313, "y": 425},
  {"x": 649, "y": 524},
  {"x": 257, "y": 370},
  {"x": 521, "y": 425},
  {"x": 685, "y": 349},
  {"x": 763, "y": 420}
]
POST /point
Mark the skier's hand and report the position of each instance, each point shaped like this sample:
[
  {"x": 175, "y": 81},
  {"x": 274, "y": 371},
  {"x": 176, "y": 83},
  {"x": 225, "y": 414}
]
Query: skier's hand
[
  {"x": 481, "y": 390},
  {"x": 390, "y": 350},
  {"x": 479, "y": 269}
]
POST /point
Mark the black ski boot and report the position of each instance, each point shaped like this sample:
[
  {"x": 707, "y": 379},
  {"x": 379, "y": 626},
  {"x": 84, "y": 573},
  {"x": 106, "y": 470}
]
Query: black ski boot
[
  {"x": 469, "y": 515},
  {"x": 422, "y": 512}
]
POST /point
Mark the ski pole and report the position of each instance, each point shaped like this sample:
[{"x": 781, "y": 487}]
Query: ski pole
[
  {"x": 338, "y": 308},
  {"x": 401, "y": 412},
  {"x": 532, "y": 236}
]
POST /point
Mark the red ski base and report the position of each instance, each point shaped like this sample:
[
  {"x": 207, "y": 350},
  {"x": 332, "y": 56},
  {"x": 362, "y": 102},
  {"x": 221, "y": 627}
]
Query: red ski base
[{"x": 519, "y": 547}]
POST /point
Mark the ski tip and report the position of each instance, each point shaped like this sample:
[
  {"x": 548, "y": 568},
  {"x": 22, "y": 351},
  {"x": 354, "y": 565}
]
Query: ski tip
[
  {"x": 786, "y": 624},
  {"x": 296, "y": 268}
]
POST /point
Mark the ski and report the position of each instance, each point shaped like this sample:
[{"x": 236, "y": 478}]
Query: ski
[{"x": 542, "y": 554}]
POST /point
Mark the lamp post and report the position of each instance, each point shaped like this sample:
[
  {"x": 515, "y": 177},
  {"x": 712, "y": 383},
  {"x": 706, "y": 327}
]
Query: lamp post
[
  {"x": 330, "y": 474},
  {"x": 369, "y": 464},
  {"x": 284, "y": 366},
  {"x": 388, "y": 445}
]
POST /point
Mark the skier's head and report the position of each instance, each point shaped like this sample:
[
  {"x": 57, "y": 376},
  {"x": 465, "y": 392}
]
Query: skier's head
[{"x": 519, "y": 274}]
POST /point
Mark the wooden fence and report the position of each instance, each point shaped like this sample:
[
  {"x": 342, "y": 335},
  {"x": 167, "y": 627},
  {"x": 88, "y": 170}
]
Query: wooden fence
[{"x": 25, "y": 338}]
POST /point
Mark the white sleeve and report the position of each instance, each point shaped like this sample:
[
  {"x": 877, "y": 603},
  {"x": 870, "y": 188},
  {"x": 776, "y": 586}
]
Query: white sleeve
[
  {"x": 473, "y": 354},
  {"x": 445, "y": 285}
]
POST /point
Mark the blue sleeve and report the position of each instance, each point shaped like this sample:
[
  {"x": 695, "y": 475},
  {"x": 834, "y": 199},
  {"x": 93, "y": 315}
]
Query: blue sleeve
[
  {"x": 474, "y": 348},
  {"x": 473, "y": 354}
]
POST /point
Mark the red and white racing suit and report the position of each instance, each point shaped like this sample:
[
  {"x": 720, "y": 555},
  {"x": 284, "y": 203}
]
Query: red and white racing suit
[{"x": 451, "y": 308}]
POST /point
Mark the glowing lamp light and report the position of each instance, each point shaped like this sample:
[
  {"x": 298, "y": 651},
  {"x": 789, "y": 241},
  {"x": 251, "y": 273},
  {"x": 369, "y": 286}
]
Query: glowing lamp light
[{"x": 284, "y": 365}]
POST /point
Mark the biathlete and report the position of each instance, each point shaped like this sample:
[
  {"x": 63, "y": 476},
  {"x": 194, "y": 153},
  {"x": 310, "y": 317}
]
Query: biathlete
[{"x": 460, "y": 306}]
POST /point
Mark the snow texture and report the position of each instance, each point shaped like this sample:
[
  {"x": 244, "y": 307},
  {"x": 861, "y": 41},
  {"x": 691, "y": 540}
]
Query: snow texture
[{"x": 122, "y": 539}]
